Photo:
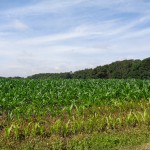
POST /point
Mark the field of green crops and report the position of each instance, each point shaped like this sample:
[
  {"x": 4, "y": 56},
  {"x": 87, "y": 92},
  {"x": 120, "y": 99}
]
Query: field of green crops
[{"x": 65, "y": 114}]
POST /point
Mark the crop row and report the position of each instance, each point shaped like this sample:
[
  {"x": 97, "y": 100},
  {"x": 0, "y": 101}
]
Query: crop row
[
  {"x": 89, "y": 120},
  {"x": 53, "y": 94},
  {"x": 66, "y": 108}
]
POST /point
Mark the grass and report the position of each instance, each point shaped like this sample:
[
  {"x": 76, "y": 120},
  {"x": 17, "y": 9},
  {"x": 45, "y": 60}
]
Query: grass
[{"x": 128, "y": 138}]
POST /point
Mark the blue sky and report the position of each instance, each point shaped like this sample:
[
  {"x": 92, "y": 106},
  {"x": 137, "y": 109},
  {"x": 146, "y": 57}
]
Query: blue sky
[{"x": 38, "y": 36}]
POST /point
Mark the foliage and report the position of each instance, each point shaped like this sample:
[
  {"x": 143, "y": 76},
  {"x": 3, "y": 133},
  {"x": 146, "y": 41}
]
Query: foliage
[
  {"x": 125, "y": 69},
  {"x": 65, "y": 109}
]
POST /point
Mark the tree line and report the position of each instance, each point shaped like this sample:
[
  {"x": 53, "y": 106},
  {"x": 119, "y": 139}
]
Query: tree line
[{"x": 126, "y": 69}]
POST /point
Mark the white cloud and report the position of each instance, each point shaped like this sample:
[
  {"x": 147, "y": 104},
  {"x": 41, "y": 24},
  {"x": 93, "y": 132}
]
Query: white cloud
[
  {"x": 106, "y": 29},
  {"x": 44, "y": 6},
  {"x": 59, "y": 6},
  {"x": 77, "y": 32},
  {"x": 88, "y": 43},
  {"x": 17, "y": 24},
  {"x": 7, "y": 29}
]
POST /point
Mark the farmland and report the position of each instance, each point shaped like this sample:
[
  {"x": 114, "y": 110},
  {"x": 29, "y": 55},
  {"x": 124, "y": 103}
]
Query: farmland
[{"x": 73, "y": 114}]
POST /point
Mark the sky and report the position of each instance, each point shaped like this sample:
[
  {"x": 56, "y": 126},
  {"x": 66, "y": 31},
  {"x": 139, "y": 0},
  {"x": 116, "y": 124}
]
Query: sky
[{"x": 50, "y": 36}]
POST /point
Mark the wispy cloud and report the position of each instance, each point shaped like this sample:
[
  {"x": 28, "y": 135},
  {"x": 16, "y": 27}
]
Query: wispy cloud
[
  {"x": 45, "y": 6},
  {"x": 64, "y": 35},
  {"x": 17, "y": 24}
]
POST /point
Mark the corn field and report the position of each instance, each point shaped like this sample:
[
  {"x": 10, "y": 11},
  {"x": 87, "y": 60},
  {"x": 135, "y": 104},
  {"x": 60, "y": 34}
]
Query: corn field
[{"x": 66, "y": 108}]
